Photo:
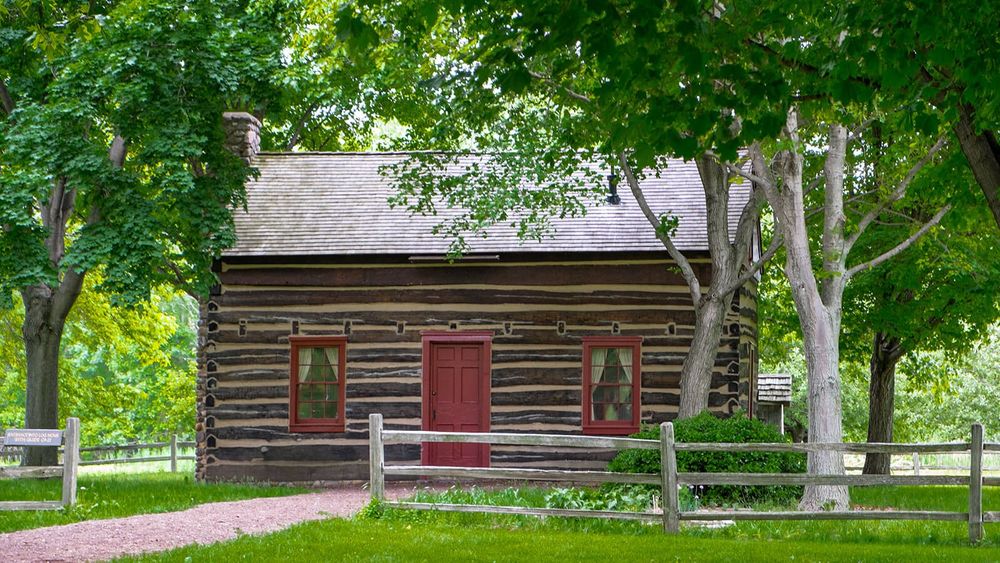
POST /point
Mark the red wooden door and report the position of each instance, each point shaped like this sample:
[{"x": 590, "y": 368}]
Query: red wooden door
[{"x": 456, "y": 398}]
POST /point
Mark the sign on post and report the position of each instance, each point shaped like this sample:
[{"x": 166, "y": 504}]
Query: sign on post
[
  {"x": 71, "y": 461},
  {"x": 32, "y": 437}
]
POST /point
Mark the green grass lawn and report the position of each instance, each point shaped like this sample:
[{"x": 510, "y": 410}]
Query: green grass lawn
[
  {"x": 115, "y": 495},
  {"x": 343, "y": 540},
  {"x": 403, "y": 535}
]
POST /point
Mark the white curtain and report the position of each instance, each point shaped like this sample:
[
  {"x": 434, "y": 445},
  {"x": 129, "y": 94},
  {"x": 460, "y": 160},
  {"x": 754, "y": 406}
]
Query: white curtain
[
  {"x": 333, "y": 357},
  {"x": 305, "y": 361},
  {"x": 625, "y": 355},
  {"x": 598, "y": 356}
]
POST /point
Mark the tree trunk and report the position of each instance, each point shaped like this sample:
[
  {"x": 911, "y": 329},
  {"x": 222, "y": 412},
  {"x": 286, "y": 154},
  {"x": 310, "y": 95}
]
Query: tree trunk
[
  {"x": 983, "y": 154},
  {"x": 42, "y": 334},
  {"x": 821, "y": 337},
  {"x": 886, "y": 352},
  {"x": 819, "y": 310},
  {"x": 696, "y": 374}
]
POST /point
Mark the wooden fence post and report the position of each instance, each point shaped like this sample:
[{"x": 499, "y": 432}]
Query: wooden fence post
[
  {"x": 71, "y": 460},
  {"x": 668, "y": 474},
  {"x": 916, "y": 464},
  {"x": 976, "y": 485},
  {"x": 376, "y": 474},
  {"x": 173, "y": 453}
]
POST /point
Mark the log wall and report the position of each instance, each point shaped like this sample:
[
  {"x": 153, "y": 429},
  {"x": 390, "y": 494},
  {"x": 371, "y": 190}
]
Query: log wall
[{"x": 539, "y": 313}]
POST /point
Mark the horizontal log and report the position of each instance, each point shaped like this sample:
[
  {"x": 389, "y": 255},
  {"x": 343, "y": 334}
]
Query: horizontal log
[
  {"x": 248, "y": 356},
  {"x": 358, "y": 409},
  {"x": 523, "y": 474},
  {"x": 421, "y": 295},
  {"x": 861, "y": 447},
  {"x": 306, "y": 452},
  {"x": 298, "y": 473},
  {"x": 526, "y": 511},
  {"x": 238, "y": 393},
  {"x": 362, "y": 389},
  {"x": 411, "y": 437},
  {"x": 256, "y": 432},
  {"x": 251, "y": 355},
  {"x": 41, "y": 472},
  {"x": 30, "y": 505},
  {"x": 500, "y": 358},
  {"x": 827, "y": 515},
  {"x": 357, "y": 431},
  {"x": 256, "y": 411},
  {"x": 750, "y": 479},
  {"x": 540, "y": 275},
  {"x": 537, "y": 398},
  {"x": 412, "y": 315},
  {"x": 991, "y": 516},
  {"x": 715, "y": 399},
  {"x": 253, "y": 374},
  {"x": 506, "y": 377},
  {"x": 528, "y": 417},
  {"x": 353, "y": 391}
]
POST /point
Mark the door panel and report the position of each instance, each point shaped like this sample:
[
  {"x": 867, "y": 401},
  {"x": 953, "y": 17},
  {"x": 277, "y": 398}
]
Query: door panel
[{"x": 457, "y": 381}]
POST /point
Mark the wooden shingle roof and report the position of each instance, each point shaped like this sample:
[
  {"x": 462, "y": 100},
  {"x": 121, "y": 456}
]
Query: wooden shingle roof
[
  {"x": 774, "y": 388},
  {"x": 330, "y": 204}
]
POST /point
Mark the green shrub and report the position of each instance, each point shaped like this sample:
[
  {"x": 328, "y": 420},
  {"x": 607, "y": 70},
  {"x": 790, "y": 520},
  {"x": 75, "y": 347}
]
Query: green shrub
[{"x": 707, "y": 428}]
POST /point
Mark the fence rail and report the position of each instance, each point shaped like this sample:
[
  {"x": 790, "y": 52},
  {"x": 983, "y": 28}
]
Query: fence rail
[
  {"x": 99, "y": 454},
  {"x": 669, "y": 479}
]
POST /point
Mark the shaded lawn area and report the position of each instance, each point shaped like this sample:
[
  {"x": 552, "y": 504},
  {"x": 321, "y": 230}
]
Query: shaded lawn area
[
  {"x": 404, "y": 535},
  {"x": 117, "y": 495}
]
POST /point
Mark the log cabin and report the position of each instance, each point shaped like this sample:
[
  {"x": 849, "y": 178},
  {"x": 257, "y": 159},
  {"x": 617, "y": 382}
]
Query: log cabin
[{"x": 332, "y": 305}]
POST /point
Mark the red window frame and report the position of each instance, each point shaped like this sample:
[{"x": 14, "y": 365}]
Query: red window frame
[
  {"x": 337, "y": 424},
  {"x": 612, "y": 427}
]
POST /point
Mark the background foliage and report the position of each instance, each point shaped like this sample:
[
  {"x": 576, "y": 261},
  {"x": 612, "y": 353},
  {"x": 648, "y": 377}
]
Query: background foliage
[{"x": 127, "y": 373}]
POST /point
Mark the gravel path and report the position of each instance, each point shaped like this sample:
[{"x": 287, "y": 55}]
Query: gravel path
[{"x": 203, "y": 524}]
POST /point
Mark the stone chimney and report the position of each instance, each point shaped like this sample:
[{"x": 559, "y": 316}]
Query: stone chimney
[{"x": 242, "y": 134}]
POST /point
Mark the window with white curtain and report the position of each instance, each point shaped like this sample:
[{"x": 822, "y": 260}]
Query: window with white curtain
[
  {"x": 316, "y": 393},
  {"x": 611, "y": 384}
]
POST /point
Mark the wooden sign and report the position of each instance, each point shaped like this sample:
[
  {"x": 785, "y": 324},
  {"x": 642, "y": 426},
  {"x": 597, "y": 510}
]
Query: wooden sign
[{"x": 30, "y": 437}]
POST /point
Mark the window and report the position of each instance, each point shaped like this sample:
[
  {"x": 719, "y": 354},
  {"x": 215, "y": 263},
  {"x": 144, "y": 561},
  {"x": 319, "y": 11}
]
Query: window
[
  {"x": 316, "y": 396},
  {"x": 611, "y": 384}
]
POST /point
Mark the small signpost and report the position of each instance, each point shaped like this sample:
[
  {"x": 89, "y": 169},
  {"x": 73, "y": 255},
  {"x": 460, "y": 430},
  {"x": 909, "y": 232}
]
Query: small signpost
[
  {"x": 28, "y": 437},
  {"x": 68, "y": 470}
]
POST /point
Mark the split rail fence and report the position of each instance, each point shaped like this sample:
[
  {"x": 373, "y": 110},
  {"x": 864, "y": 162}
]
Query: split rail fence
[
  {"x": 125, "y": 453},
  {"x": 669, "y": 479}
]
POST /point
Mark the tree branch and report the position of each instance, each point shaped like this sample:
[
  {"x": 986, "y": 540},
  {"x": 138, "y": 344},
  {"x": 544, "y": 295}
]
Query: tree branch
[
  {"x": 5, "y": 99},
  {"x": 856, "y": 133},
  {"x": 180, "y": 281},
  {"x": 776, "y": 243},
  {"x": 746, "y": 174},
  {"x": 687, "y": 272},
  {"x": 901, "y": 246},
  {"x": 566, "y": 90},
  {"x": 294, "y": 139},
  {"x": 72, "y": 282},
  {"x": 895, "y": 196}
]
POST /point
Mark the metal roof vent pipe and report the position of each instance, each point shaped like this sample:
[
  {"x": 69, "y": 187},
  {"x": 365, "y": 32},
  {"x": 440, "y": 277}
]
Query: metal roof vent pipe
[{"x": 613, "y": 197}]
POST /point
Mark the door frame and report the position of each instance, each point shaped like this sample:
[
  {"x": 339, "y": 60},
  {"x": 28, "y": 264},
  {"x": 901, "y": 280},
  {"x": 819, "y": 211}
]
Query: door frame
[{"x": 428, "y": 339}]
